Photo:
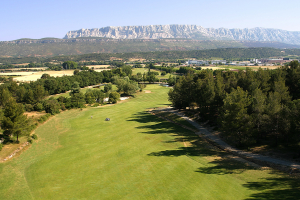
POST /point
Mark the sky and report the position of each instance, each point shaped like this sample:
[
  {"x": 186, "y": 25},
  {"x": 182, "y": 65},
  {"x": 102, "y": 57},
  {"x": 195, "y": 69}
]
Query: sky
[{"x": 44, "y": 18}]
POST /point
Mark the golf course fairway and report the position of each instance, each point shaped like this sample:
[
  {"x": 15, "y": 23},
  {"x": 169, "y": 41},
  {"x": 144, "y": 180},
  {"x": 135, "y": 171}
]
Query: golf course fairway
[{"x": 135, "y": 155}]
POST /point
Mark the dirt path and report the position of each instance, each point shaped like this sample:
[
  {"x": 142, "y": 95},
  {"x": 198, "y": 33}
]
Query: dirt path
[{"x": 223, "y": 145}]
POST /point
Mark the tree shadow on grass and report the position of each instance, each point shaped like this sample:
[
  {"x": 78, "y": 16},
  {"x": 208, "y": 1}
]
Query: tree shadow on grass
[
  {"x": 225, "y": 165},
  {"x": 161, "y": 126},
  {"x": 275, "y": 188}
]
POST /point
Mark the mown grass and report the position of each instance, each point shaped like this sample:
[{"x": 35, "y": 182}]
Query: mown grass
[
  {"x": 135, "y": 155},
  {"x": 175, "y": 118}
]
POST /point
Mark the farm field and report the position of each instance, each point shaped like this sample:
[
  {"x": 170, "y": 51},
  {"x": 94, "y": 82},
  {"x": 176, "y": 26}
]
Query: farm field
[
  {"x": 145, "y": 70},
  {"x": 33, "y": 76},
  {"x": 98, "y": 66},
  {"x": 135, "y": 155},
  {"x": 142, "y": 70}
]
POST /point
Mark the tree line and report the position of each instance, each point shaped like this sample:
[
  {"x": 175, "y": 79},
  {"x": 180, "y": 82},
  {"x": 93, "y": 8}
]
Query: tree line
[
  {"x": 16, "y": 98},
  {"x": 250, "y": 107},
  {"x": 224, "y": 53}
]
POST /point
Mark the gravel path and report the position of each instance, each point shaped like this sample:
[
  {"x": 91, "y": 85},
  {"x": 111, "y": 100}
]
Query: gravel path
[{"x": 227, "y": 147}]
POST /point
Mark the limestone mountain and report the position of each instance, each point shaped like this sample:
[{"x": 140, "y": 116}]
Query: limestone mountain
[{"x": 189, "y": 32}]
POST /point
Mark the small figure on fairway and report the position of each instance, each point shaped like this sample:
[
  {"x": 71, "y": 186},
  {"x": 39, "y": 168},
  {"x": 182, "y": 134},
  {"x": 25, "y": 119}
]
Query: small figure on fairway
[
  {"x": 107, "y": 119},
  {"x": 92, "y": 117}
]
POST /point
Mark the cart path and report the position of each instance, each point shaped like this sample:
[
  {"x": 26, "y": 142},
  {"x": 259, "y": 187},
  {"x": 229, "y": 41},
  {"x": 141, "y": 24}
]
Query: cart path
[{"x": 204, "y": 132}]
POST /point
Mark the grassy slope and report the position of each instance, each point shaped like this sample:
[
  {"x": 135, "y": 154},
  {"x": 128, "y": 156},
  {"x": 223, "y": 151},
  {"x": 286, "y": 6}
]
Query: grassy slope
[{"x": 134, "y": 156}]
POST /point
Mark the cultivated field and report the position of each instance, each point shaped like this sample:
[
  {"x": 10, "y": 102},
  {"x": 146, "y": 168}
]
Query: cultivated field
[
  {"x": 36, "y": 68},
  {"x": 98, "y": 66},
  {"x": 135, "y": 155},
  {"x": 33, "y": 76}
]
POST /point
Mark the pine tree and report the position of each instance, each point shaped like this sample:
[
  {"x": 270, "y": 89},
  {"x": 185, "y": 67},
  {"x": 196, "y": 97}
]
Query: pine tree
[{"x": 14, "y": 121}]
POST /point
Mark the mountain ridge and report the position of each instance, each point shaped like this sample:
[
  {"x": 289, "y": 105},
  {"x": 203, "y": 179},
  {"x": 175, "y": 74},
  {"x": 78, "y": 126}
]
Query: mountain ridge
[{"x": 189, "y": 32}]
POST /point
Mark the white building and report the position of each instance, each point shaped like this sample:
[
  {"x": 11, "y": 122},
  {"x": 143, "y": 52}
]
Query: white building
[{"x": 206, "y": 62}]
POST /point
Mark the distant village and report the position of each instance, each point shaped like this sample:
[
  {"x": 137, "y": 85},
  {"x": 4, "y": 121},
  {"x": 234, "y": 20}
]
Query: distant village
[{"x": 251, "y": 62}]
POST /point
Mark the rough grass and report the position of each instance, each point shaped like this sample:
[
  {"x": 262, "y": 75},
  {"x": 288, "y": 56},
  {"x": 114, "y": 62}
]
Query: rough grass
[{"x": 134, "y": 156}]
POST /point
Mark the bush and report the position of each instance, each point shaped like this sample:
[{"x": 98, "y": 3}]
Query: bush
[
  {"x": 38, "y": 107},
  {"x": 32, "y": 127},
  {"x": 44, "y": 118},
  {"x": 63, "y": 107},
  {"x": 114, "y": 97},
  {"x": 1, "y": 145},
  {"x": 34, "y": 136},
  {"x": 95, "y": 105},
  {"x": 29, "y": 107},
  {"x": 29, "y": 140},
  {"x": 52, "y": 106},
  {"x": 107, "y": 87}
]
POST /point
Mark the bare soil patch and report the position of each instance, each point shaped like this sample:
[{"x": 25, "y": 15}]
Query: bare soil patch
[
  {"x": 34, "y": 114},
  {"x": 147, "y": 91}
]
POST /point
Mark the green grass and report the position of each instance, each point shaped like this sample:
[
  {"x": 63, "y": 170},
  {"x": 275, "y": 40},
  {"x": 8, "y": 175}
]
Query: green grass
[
  {"x": 233, "y": 67},
  {"x": 143, "y": 70},
  {"x": 136, "y": 155}
]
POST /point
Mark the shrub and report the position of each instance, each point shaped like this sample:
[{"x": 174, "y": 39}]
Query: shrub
[
  {"x": 51, "y": 106},
  {"x": 34, "y": 136},
  {"x": 38, "y": 107},
  {"x": 44, "y": 118},
  {"x": 29, "y": 140},
  {"x": 32, "y": 127},
  {"x": 1, "y": 145},
  {"x": 95, "y": 105},
  {"x": 114, "y": 97},
  {"x": 63, "y": 107},
  {"x": 29, "y": 107}
]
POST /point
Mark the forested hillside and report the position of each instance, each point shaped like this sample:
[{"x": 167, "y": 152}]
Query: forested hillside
[
  {"x": 50, "y": 47},
  {"x": 225, "y": 53},
  {"x": 252, "y": 107}
]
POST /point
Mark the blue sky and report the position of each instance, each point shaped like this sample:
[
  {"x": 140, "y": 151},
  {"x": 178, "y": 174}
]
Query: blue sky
[{"x": 44, "y": 18}]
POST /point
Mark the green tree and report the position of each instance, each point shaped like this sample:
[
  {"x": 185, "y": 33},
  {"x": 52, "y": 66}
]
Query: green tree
[
  {"x": 107, "y": 87},
  {"x": 51, "y": 106},
  {"x": 14, "y": 121},
  {"x": 114, "y": 97},
  {"x": 77, "y": 97},
  {"x": 89, "y": 97},
  {"x": 75, "y": 88},
  {"x": 130, "y": 87},
  {"x": 235, "y": 120},
  {"x": 45, "y": 76},
  {"x": 69, "y": 65},
  {"x": 5, "y": 95},
  {"x": 258, "y": 109},
  {"x": 99, "y": 96}
]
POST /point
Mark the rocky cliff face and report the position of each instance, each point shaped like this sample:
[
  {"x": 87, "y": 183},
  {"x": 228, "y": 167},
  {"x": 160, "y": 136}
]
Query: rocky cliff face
[{"x": 188, "y": 31}]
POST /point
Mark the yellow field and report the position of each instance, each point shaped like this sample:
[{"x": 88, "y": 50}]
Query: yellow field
[
  {"x": 98, "y": 66},
  {"x": 36, "y": 68},
  {"x": 213, "y": 68},
  {"x": 33, "y": 76},
  {"x": 100, "y": 70}
]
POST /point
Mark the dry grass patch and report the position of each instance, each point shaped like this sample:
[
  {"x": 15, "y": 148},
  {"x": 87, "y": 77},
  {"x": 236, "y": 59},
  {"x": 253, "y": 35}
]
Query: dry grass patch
[
  {"x": 34, "y": 114},
  {"x": 213, "y": 68},
  {"x": 33, "y": 76}
]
